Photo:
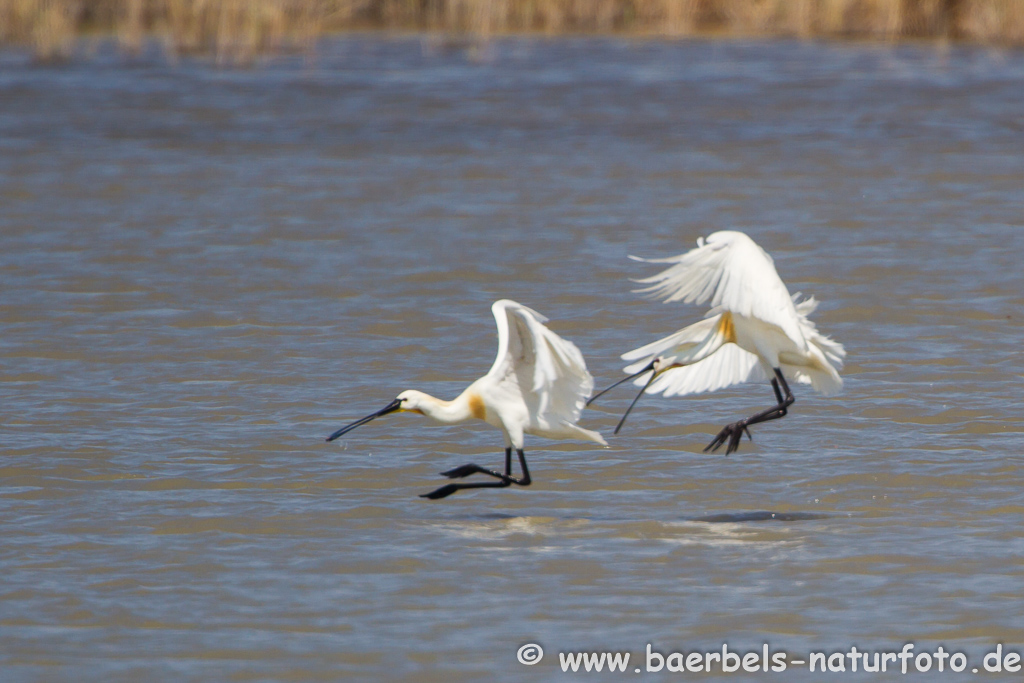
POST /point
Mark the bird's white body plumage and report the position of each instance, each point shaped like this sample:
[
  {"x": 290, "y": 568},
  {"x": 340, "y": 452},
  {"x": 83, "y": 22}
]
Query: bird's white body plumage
[
  {"x": 538, "y": 383},
  {"x": 754, "y": 324}
]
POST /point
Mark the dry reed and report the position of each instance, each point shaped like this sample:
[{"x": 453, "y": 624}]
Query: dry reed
[{"x": 240, "y": 30}]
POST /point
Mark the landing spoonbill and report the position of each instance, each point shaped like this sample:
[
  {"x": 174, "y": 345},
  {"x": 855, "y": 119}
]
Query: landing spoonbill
[
  {"x": 538, "y": 385},
  {"x": 754, "y": 331}
]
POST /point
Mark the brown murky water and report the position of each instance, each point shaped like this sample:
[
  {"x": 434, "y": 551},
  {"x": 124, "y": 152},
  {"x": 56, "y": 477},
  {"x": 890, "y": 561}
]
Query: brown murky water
[{"x": 206, "y": 272}]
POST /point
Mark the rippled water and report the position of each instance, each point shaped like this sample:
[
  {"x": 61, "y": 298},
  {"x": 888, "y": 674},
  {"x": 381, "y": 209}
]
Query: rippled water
[{"x": 204, "y": 273}]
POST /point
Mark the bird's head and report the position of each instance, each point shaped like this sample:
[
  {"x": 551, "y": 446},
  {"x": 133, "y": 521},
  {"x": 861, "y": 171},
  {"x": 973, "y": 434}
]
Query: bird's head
[
  {"x": 655, "y": 367},
  {"x": 412, "y": 400}
]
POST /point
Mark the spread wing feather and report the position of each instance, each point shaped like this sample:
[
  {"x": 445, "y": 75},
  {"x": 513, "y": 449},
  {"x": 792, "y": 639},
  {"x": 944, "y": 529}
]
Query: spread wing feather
[
  {"x": 687, "y": 336},
  {"x": 732, "y": 272},
  {"x": 726, "y": 366},
  {"x": 548, "y": 371}
]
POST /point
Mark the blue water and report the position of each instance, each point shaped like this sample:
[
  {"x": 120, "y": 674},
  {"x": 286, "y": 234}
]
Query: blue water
[{"x": 205, "y": 272}]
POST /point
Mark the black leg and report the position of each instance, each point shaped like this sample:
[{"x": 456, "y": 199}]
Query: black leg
[
  {"x": 465, "y": 470},
  {"x": 525, "y": 479},
  {"x": 733, "y": 432}
]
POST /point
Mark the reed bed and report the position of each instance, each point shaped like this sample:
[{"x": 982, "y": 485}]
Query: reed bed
[{"x": 241, "y": 30}]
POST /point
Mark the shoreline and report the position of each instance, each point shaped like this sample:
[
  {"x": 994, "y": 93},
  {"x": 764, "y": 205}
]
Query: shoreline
[{"x": 243, "y": 31}]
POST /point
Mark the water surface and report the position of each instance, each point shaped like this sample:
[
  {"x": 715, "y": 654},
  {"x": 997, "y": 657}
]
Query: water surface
[{"x": 206, "y": 272}]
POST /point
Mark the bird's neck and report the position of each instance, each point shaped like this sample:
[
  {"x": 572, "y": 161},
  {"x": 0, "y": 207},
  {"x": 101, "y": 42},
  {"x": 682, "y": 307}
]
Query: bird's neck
[{"x": 463, "y": 407}]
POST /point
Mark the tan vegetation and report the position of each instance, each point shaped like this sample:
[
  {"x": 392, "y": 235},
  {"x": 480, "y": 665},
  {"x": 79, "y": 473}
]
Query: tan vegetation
[
  {"x": 239, "y": 30},
  {"x": 233, "y": 30}
]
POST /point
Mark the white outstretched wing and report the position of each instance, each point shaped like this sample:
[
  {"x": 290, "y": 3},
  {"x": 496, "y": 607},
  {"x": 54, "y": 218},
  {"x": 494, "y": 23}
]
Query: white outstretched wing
[
  {"x": 667, "y": 346},
  {"x": 548, "y": 371},
  {"x": 732, "y": 272},
  {"x": 728, "y": 364}
]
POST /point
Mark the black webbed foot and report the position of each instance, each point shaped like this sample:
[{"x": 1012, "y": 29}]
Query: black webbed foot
[
  {"x": 471, "y": 468},
  {"x": 731, "y": 433},
  {"x": 449, "y": 489},
  {"x": 443, "y": 492},
  {"x": 504, "y": 480}
]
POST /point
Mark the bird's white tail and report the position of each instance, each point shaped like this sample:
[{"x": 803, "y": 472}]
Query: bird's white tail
[
  {"x": 575, "y": 431},
  {"x": 827, "y": 355}
]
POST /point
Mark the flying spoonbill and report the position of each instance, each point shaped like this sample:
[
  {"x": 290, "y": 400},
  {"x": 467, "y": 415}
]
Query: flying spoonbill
[
  {"x": 538, "y": 385},
  {"x": 754, "y": 331}
]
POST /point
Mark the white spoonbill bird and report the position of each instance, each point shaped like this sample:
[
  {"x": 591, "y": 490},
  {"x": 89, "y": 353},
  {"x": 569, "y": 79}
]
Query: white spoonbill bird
[
  {"x": 754, "y": 331},
  {"x": 538, "y": 385}
]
